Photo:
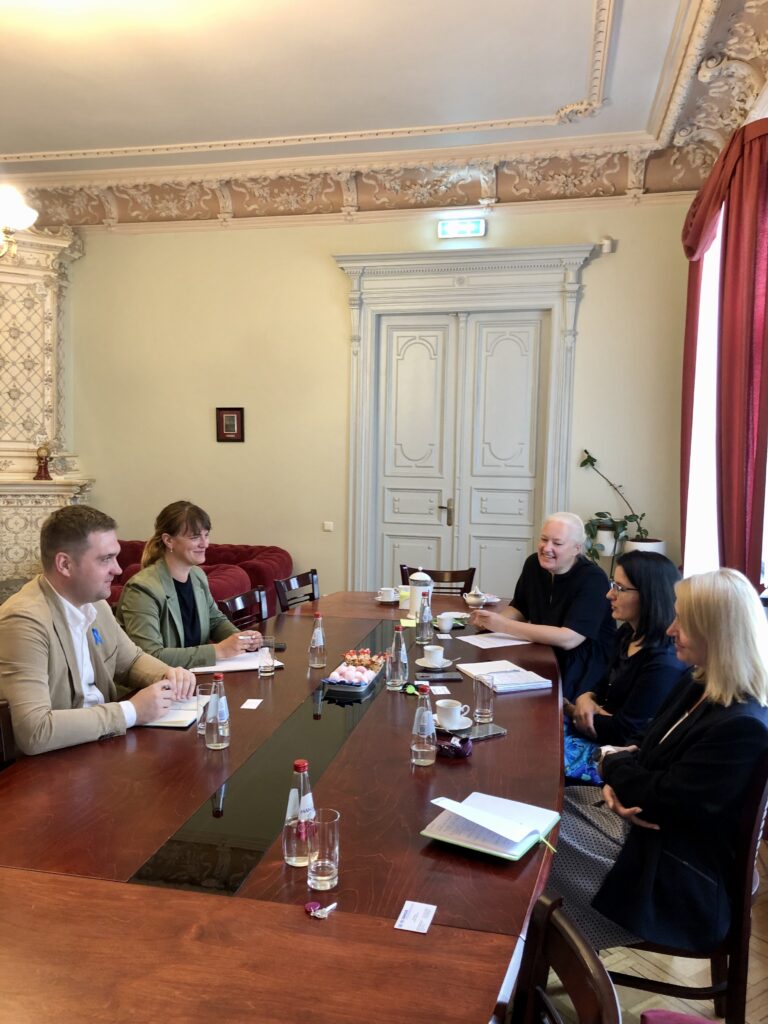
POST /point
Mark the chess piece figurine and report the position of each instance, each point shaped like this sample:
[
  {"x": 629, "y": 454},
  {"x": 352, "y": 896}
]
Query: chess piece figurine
[{"x": 43, "y": 456}]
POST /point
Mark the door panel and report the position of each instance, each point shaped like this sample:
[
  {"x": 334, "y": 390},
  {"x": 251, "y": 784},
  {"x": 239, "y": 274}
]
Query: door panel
[
  {"x": 498, "y": 559},
  {"x": 425, "y": 551},
  {"x": 500, "y": 451},
  {"x": 417, "y": 387}
]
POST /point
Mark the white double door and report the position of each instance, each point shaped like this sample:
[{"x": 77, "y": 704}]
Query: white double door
[{"x": 456, "y": 450}]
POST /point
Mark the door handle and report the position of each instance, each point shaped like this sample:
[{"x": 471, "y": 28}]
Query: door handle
[{"x": 448, "y": 506}]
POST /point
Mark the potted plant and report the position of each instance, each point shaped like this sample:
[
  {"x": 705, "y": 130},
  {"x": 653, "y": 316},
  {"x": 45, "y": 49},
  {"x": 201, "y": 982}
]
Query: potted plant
[
  {"x": 605, "y": 531},
  {"x": 604, "y": 534}
]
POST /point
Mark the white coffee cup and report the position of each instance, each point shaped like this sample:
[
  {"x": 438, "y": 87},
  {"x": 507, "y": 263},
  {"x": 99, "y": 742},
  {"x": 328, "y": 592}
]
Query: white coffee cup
[
  {"x": 450, "y": 713},
  {"x": 387, "y": 594},
  {"x": 445, "y": 621},
  {"x": 433, "y": 655}
]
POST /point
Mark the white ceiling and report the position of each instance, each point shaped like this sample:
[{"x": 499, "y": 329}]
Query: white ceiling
[{"x": 251, "y": 80}]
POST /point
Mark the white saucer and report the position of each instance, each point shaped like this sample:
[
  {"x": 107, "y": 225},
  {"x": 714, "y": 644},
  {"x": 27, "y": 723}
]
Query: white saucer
[
  {"x": 385, "y": 600},
  {"x": 423, "y": 663},
  {"x": 464, "y": 723},
  {"x": 492, "y": 600}
]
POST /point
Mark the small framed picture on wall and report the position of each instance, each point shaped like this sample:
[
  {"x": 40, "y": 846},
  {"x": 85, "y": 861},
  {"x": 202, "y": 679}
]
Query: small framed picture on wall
[{"x": 230, "y": 424}]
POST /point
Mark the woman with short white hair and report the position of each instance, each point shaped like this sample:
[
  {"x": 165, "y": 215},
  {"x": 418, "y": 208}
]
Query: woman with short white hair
[
  {"x": 560, "y": 600},
  {"x": 652, "y": 861}
]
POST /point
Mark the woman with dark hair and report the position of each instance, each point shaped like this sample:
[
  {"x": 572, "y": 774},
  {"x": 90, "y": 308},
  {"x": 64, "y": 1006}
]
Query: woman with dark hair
[
  {"x": 642, "y": 673},
  {"x": 167, "y": 607}
]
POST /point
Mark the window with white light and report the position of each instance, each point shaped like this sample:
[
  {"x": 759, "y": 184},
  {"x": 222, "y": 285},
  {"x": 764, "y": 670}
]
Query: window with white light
[{"x": 702, "y": 548}]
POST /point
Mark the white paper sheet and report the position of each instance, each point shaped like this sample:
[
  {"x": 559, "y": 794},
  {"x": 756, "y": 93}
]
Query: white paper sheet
[
  {"x": 415, "y": 917},
  {"x": 247, "y": 662},
  {"x": 486, "y": 641}
]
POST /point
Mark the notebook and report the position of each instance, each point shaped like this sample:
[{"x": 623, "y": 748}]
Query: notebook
[
  {"x": 491, "y": 824},
  {"x": 505, "y": 676},
  {"x": 179, "y": 715}
]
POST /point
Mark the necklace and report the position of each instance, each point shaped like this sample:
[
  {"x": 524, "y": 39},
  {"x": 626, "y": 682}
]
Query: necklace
[{"x": 688, "y": 712}]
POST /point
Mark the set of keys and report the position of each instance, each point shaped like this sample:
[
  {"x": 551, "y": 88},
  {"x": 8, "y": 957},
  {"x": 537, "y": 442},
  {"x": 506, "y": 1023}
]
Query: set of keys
[{"x": 314, "y": 909}]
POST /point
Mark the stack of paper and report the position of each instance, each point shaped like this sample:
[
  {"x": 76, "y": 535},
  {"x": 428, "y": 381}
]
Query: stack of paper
[
  {"x": 505, "y": 676},
  {"x": 491, "y": 824}
]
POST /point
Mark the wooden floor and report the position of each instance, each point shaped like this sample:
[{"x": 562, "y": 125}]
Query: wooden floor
[{"x": 695, "y": 972}]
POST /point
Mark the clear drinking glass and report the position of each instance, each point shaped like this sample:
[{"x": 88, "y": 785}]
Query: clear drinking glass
[
  {"x": 266, "y": 649},
  {"x": 483, "y": 712},
  {"x": 323, "y": 843},
  {"x": 203, "y": 692}
]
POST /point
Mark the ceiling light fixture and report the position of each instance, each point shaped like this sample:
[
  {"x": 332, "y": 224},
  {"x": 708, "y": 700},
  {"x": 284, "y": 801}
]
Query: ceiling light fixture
[{"x": 15, "y": 215}]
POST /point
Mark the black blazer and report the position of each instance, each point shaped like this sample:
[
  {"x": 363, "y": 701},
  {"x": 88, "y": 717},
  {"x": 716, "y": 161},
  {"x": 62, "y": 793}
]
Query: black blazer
[
  {"x": 634, "y": 690},
  {"x": 673, "y": 886}
]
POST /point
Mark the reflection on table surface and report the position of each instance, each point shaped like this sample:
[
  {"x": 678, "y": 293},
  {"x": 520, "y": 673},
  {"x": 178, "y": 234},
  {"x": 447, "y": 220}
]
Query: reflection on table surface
[{"x": 156, "y": 805}]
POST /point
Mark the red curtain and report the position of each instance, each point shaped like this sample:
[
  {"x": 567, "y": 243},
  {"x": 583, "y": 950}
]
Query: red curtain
[{"x": 739, "y": 184}]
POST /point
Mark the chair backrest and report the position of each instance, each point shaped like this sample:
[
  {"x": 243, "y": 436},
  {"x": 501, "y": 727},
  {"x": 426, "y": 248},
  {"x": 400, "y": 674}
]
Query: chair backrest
[
  {"x": 752, "y": 827},
  {"x": 248, "y": 609},
  {"x": 297, "y": 589},
  {"x": 556, "y": 942},
  {"x": 446, "y": 581},
  {"x": 7, "y": 745}
]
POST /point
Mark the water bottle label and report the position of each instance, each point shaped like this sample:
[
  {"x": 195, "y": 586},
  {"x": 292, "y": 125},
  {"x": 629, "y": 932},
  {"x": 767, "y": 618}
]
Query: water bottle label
[
  {"x": 223, "y": 710},
  {"x": 292, "y": 811},
  {"x": 426, "y": 724},
  {"x": 317, "y": 638},
  {"x": 307, "y": 808}
]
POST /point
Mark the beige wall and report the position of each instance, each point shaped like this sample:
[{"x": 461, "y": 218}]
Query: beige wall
[{"x": 165, "y": 326}]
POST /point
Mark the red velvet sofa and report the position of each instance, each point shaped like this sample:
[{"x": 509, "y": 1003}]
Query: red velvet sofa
[{"x": 231, "y": 568}]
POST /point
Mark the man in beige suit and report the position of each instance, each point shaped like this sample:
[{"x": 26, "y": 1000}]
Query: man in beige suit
[{"x": 61, "y": 650}]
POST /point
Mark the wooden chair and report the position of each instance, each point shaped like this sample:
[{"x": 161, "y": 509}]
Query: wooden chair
[
  {"x": 555, "y": 942},
  {"x": 729, "y": 962},
  {"x": 447, "y": 581},
  {"x": 297, "y": 589},
  {"x": 7, "y": 745},
  {"x": 248, "y": 609}
]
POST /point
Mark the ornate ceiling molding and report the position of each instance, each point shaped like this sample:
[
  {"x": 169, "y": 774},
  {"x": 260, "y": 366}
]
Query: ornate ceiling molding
[
  {"x": 576, "y": 110},
  {"x": 721, "y": 50}
]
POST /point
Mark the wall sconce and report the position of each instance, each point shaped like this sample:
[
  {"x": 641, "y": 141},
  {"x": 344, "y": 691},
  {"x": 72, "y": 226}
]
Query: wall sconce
[{"x": 15, "y": 215}]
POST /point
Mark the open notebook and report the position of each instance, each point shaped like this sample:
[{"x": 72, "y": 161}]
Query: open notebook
[
  {"x": 505, "y": 676},
  {"x": 491, "y": 824},
  {"x": 179, "y": 715}
]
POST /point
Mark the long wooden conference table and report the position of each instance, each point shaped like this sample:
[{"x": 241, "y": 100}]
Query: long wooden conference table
[{"x": 80, "y": 944}]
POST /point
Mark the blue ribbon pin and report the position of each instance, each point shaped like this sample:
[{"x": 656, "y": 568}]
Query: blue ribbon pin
[{"x": 96, "y": 636}]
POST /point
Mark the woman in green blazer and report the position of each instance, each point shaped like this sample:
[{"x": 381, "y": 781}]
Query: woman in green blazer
[{"x": 167, "y": 607}]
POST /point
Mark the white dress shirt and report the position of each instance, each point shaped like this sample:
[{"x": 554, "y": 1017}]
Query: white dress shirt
[{"x": 80, "y": 620}]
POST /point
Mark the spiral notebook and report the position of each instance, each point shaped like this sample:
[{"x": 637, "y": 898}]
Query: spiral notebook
[{"x": 505, "y": 676}]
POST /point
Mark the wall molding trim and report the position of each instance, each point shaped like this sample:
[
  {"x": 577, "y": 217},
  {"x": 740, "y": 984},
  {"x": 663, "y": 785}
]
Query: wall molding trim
[{"x": 383, "y": 216}]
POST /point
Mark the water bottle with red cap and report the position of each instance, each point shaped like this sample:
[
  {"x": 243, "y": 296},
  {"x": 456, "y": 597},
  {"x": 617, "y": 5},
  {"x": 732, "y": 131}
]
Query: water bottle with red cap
[{"x": 299, "y": 813}]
